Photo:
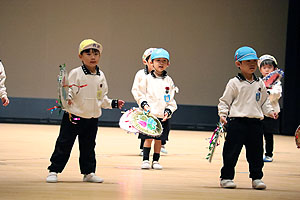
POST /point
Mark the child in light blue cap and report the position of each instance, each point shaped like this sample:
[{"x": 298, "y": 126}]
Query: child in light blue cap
[{"x": 242, "y": 107}]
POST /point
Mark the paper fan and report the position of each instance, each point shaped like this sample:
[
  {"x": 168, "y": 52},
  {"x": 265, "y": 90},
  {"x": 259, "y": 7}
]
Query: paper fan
[{"x": 146, "y": 123}]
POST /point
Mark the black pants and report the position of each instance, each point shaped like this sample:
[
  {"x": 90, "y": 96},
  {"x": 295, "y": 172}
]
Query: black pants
[
  {"x": 248, "y": 132},
  {"x": 86, "y": 129},
  {"x": 270, "y": 126}
]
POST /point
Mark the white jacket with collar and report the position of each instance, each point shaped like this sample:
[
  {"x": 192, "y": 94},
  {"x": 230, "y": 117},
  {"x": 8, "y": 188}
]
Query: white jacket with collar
[
  {"x": 88, "y": 101},
  {"x": 153, "y": 91}
]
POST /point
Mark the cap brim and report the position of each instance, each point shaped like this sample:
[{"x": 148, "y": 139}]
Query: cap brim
[{"x": 250, "y": 57}]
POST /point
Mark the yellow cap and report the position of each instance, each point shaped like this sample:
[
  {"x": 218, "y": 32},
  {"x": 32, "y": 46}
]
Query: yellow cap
[{"x": 90, "y": 44}]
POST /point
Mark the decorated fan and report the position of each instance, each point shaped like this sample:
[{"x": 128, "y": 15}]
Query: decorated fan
[
  {"x": 146, "y": 123},
  {"x": 63, "y": 89},
  {"x": 125, "y": 123},
  {"x": 214, "y": 141},
  {"x": 138, "y": 121},
  {"x": 297, "y": 137},
  {"x": 273, "y": 77}
]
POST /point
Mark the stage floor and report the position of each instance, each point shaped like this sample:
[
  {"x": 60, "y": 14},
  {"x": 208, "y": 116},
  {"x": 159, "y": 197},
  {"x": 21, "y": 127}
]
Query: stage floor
[{"x": 25, "y": 151}]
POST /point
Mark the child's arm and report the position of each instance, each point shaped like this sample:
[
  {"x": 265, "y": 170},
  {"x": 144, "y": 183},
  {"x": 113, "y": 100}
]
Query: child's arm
[
  {"x": 72, "y": 79},
  {"x": 142, "y": 101},
  {"x": 225, "y": 102},
  {"x": 3, "y": 93},
  {"x": 266, "y": 106},
  {"x": 275, "y": 92},
  {"x": 171, "y": 105},
  {"x": 108, "y": 103},
  {"x": 136, "y": 89}
]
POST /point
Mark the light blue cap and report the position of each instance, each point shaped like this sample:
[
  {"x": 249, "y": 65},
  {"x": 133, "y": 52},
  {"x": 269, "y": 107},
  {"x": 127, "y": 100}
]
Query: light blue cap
[
  {"x": 160, "y": 53},
  {"x": 245, "y": 53}
]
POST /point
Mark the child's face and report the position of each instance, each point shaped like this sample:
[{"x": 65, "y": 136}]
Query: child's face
[
  {"x": 266, "y": 69},
  {"x": 160, "y": 64},
  {"x": 247, "y": 67},
  {"x": 90, "y": 59},
  {"x": 150, "y": 65}
]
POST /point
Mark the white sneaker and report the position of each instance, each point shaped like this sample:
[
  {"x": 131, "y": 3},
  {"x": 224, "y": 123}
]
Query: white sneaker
[
  {"x": 52, "y": 177},
  {"x": 163, "y": 150},
  {"x": 268, "y": 159},
  {"x": 141, "y": 153},
  {"x": 258, "y": 184},
  {"x": 146, "y": 164},
  {"x": 227, "y": 183},
  {"x": 92, "y": 178},
  {"x": 156, "y": 165}
]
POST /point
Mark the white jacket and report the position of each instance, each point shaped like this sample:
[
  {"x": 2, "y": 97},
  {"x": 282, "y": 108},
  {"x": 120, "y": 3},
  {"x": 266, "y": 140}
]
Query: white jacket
[
  {"x": 3, "y": 92},
  {"x": 244, "y": 99},
  {"x": 88, "y": 101},
  {"x": 136, "y": 89},
  {"x": 159, "y": 93}
]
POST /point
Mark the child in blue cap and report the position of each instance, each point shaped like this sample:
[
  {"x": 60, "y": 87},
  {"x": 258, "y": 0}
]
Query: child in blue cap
[
  {"x": 139, "y": 76},
  {"x": 157, "y": 92},
  {"x": 245, "y": 102}
]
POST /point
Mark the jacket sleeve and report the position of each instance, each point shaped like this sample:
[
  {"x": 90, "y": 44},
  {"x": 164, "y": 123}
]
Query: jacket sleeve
[
  {"x": 226, "y": 100},
  {"x": 266, "y": 104},
  {"x": 172, "y": 105},
  {"x": 275, "y": 92},
  {"x": 72, "y": 79},
  {"x": 142, "y": 91},
  {"x": 2, "y": 81},
  {"x": 136, "y": 87},
  {"x": 106, "y": 102}
]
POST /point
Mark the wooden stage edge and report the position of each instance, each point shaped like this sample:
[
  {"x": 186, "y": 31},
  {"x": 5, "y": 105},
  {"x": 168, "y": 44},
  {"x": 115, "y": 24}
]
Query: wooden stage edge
[{"x": 25, "y": 151}]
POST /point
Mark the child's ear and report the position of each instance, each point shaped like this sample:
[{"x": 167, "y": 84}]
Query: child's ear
[
  {"x": 238, "y": 64},
  {"x": 80, "y": 56}
]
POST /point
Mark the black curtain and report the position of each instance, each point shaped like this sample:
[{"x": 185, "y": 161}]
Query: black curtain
[{"x": 290, "y": 118}]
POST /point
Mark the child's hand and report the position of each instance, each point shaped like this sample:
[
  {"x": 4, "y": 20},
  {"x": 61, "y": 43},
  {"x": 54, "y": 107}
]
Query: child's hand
[
  {"x": 70, "y": 102},
  {"x": 165, "y": 117},
  {"x": 274, "y": 115},
  {"x": 147, "y": 108},
  {"x": 120, "y": 103},
  {"x": 223, "y": 120},
  {"x": 5, "y": 101}
]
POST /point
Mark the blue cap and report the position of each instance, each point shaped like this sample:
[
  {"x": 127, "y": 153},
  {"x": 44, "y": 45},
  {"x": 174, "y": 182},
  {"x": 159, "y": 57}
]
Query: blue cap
[
  {"x": 245, "y": 53},
  {"x": 160, "y": 53}
]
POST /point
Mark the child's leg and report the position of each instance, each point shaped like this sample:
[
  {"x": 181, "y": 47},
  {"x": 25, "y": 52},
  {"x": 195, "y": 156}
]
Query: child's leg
[
  {"x": 63, "y": 146},
  {"x": 147, "y": 148},
  {"x": 86, "y": 138},
  {"x": 254, "y": 150},
  {"x": 142, "y": 143},
  {"x": 157, "y": 147},
  {"x": 232, "y": 148},
  {"x": 269, "y": 144}
]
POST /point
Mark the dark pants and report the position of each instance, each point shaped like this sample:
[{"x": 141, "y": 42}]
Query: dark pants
[
  {"x": 270, "y": 126},
  {"x": 86, "y": 129},
  {"x": 248, "y": 132},
  {"x": 142, "y": 143},
  {"x": 269, "y": 144}
]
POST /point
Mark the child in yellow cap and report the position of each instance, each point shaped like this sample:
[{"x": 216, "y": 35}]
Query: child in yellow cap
[{"x": 84, "y": 104}]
